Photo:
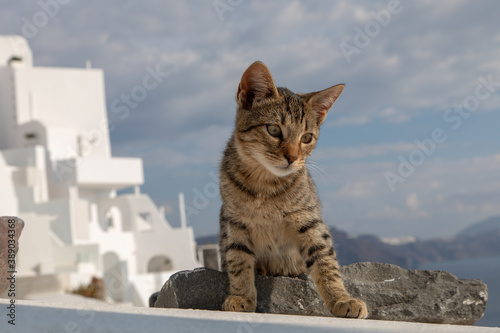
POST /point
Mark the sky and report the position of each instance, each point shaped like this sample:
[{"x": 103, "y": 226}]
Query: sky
[{"x": 411, "y": 147}]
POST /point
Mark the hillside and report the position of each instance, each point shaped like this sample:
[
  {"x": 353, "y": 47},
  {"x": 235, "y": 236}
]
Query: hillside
[
  {"x": 491, "y": 224},
  {"x": 481, "y": 239}
]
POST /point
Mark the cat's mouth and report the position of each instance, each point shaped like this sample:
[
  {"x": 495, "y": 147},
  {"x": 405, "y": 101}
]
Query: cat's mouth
[
  {"x": 287, "y": 167},
  {"x": 281, "y": 170}
]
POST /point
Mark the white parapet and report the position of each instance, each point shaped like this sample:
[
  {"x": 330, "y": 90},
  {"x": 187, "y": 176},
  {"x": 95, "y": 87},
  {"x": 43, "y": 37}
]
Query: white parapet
[
  {"x": 39, "y": 317},
  {"x": 101, "y": 173},
  {"x": 116, "y": 172}
]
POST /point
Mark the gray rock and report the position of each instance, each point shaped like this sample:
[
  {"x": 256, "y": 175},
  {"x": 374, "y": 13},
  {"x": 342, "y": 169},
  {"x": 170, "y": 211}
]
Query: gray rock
[
  {"x": 6, "y": 224},
  {"x": 153, "y": 298},
  {"x": 391, "y": 293},
  {"x": 395, "y": 293}
]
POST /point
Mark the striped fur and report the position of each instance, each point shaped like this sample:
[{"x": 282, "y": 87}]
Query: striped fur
[{"x": 270, "y": 219}]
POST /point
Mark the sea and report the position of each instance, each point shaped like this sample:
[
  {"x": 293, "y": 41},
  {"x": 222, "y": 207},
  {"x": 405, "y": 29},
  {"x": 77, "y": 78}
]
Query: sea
[{"x": 484, "y": 269}]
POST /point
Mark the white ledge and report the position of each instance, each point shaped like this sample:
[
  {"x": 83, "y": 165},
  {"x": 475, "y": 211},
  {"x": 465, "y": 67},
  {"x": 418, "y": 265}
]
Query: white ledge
[{"x": 40, "y": 317}]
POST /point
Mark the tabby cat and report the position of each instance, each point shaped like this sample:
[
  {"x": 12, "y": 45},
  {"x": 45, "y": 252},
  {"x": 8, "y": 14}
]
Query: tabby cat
[{"x": 270, "y": 219}]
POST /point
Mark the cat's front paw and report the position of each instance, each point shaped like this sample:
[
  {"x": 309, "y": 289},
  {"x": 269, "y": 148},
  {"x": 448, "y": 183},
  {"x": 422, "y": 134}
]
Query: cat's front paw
[
  {"x": 238, "y": 304},
  {"x": 350, "y": 308}
]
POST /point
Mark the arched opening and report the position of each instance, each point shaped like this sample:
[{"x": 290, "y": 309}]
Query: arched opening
[
  {"x": 112, "y": 219},
  {"x": 113, "y": 276},
  {"x": 160, "y": 263}
]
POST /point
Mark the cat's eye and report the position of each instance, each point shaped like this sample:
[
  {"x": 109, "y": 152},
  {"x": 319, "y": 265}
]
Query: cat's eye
[
  {"x": 306, "y": 138},
  {"x": 274, "y": 130}
]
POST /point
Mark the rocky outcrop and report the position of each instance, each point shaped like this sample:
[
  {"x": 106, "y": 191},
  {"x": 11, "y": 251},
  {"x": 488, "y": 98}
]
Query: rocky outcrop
[
  {"x": 394, "y": 293},
  {"x": 391, "y": 293},
  {"x": 10, "y": 230}
]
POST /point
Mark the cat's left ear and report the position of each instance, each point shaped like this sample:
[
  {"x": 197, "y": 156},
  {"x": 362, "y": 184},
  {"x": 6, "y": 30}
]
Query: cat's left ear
[{"x": 323, "y": 100}]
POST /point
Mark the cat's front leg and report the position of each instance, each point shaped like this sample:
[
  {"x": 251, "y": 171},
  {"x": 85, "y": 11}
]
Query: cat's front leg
[
  {"x": 240, "y": 266},
  {"x": 317, "y": 250}
]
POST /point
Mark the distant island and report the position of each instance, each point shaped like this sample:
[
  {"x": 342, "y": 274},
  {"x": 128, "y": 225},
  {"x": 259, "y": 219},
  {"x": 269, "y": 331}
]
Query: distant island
[{"x": 481, "y": 239}]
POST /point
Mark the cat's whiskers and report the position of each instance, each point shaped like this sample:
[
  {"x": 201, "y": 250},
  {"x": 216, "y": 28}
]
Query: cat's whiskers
[
  {"x": 314, "y": 171},
  {"x": 316, "y": 168}
]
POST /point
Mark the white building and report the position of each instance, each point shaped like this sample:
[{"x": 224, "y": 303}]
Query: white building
[{"x": 58, "y": 175}]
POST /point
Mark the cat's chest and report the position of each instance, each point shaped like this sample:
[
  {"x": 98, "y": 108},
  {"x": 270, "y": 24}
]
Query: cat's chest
[
  {"x": 270, "y": 235},
  {"x": 257, "y": 209}
]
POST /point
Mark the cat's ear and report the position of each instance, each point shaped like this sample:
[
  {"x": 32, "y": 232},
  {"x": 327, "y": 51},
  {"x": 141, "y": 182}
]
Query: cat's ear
[
  {"x": 323, "y": 100},
  {"x": 256, "y": 85}
]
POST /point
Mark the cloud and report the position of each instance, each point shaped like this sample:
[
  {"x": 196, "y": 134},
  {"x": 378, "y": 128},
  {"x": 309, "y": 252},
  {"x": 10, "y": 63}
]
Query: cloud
[
  {"x": 196, "y": 149},
  {"x": 392, "y": 115},
  {"x": 444, "y": 196},
  {"x": 357, "y": 189},
  {"x": 356, "y": 120},
  {"x": 414, "y": 204},
  {"x": 363, "y": 151}
]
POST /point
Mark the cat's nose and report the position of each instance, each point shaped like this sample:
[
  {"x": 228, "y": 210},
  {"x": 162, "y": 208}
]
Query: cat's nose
[{"x": 290, "y": 158}]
